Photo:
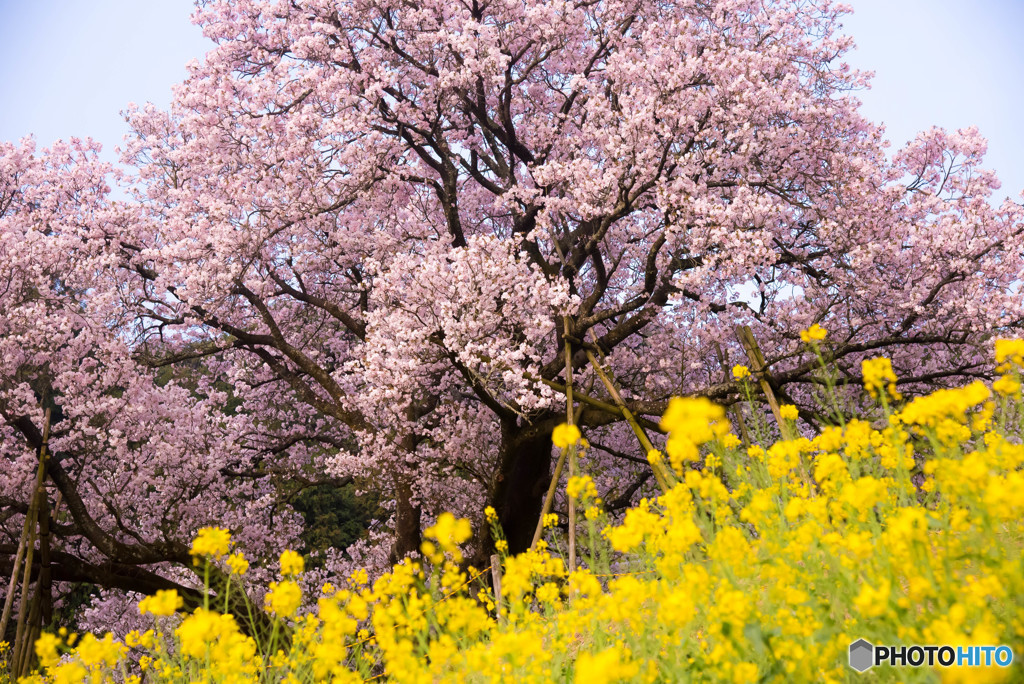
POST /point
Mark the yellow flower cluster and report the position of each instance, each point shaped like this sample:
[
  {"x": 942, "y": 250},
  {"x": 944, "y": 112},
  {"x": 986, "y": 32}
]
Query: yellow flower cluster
[
  {"x": 1009, "y": 353},
  {"x": 762, "y": 570},
  {"x": 1007, "y": 385},
  {"x": 212, "y": 644},
  {"x": 690, "y": 422},
  {"x": 565, "y": 435},
  {"x": 238, "y": 565},
  {"x": 292, "y": 563},
  {"x": 1010, "y": 362},
  {"x": 581, "y": 487},
  {"x": 164, "y": 602},
  {"x": 813, "y": 334},
  {"x": 879, "y": 377},
  {"x": 284, "y": 598},
  {"x": 945, "y": 404},
  {"x": 211, "y": 542},
  {"x": 449, "y": 532}
]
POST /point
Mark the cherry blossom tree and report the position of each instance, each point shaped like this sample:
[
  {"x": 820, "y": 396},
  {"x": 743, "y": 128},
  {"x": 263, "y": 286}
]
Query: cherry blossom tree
[
  {"x": 136, "y": 465},
  {"x": 381, "y": 224}
]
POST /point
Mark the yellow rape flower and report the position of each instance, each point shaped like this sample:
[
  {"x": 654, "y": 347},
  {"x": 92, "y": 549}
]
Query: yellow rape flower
[
  {"x": 135, "y": 640},
  {"x": 164, "y": 602},
  {"x": 47, "y": 649},
  {"x": 878, "y": 376},
  {"x": 698, "y": 419},
  {"x": 291, "y": 563},
  {"x": 449, "y": 532},
  {"x": 565, "y": 435},
  {"x": 359, "y": 578},
  {"x": 873, "y": 601},
  {"x": 731, "y": 441},
  {"x": 813, "y": 334},
  {"x": 95, "y": 652},
  {"x": 789, "y": 412},
  {"x": 284, "y": 598},
  {"x": 610, "y": 665},
  {"x": 237, "y": 563},
  {"x": 740, "y": 372},
  {"x": 581, "y": 487},
  {"x": 69, "y": 673},
  {"x": 1006, "y": 385},
  {"x": 945, "y": 403},
  {"x": 211, "y": 541},
  {"x": 1009, "y": 353},
  {"x": 548, "y": 593},
  {"x": 205, "y": 629}
]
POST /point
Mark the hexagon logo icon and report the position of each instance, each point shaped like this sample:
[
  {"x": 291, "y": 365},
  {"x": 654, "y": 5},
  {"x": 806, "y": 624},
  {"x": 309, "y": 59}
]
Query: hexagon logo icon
[{"x": 862, "y": 655}]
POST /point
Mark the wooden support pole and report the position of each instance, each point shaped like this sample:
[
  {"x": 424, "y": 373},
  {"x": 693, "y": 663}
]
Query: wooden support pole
[
  {"x": 24, "y": 601},
  {"x": 12, "y": 585},
  {"x": 26, "y": 544},
  {"x": 572, "y": 447},
  {"x": 496, "y": 582},
  {"x": 23, "y": 631},
  {"x": 549, "y": 497},
  {"x": 572, "y": 418},
  {"x": 737, "y": 411},
  {"x": 760, "y": 370},
  {"x": 641, "y": 436},
  {"x": 23, "y": 665},
  {"x": 584, "y": 398},
  {"x": 45, "y": 583}
]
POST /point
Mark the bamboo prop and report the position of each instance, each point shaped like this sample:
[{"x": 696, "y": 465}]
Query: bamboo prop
[
  {"x": 760, "y": 370},
  {"x": 572, "y": 510},
  {"x": 20, "y": 638},
  {"x": 12, "y": 585},
  {"x": 549, "y": 497},
  {"x": 496, "y": 582},
  {"x": 40, "y": 611},
  {"x": 585, "y": 398},
  {"x": 737, "y": 412},
  {"x": 572, "y": 417},
  {"x": 45, "y": 583},
  {"x": 32, "y": 631},
  {"x": 19, "y": 634},
  {"x": 23, "y": 544},
  {"x": 645, "y": 443},
  {"x": 572, "y": 447}
]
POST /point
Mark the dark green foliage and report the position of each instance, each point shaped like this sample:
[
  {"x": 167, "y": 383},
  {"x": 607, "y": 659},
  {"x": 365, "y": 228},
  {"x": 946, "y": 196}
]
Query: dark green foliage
[{"x": 335, "y": 516}]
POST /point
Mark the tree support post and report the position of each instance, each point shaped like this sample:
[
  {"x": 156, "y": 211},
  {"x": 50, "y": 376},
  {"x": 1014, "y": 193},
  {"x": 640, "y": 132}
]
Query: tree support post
[
  {"x": 496, "y": 582},
  {"x": 760, "y": 369},
  {"x": 737, "y": 411},
  {"x": 645, "y": 443},
  {"x": 21, "y": 652}
]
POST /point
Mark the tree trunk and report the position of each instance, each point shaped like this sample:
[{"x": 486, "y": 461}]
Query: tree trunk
[
  {"x": 522, "y": 481},
  {"x": 408, "y": 533},
  {"x": 407, "y": 520}
]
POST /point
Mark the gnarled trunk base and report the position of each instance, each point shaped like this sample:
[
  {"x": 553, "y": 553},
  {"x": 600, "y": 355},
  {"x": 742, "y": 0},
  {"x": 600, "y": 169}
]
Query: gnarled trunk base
[{"x": 522, "y": 481}]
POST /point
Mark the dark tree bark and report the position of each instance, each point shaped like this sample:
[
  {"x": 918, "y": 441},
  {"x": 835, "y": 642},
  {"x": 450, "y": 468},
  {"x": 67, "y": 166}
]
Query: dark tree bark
[
  {"x": 408, "y": 536},
  {"x": 525, "y": 471}
]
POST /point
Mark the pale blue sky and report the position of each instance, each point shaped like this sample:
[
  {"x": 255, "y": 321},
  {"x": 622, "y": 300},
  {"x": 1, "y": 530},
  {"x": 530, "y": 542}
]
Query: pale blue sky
[{"x": 67, "y": 67}]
